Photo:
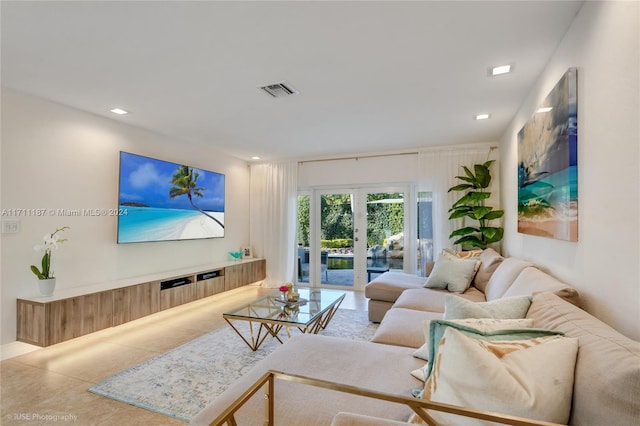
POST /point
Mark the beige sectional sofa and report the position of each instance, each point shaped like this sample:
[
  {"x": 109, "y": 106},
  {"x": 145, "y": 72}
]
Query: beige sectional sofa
[
  {"x": 384, "y": 290},
  {"x": 401, "y": 318},
  {"x": 606, "y": 389}
]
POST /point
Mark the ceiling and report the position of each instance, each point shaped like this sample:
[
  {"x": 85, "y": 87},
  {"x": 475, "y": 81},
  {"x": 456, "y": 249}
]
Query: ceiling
[{"x": 373, "y": 76}]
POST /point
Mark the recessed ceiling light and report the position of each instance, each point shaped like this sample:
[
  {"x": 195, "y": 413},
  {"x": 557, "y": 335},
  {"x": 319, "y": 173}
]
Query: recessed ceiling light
[
  {"x": 544, "y": 109},
  {"x": 502, "y": 69},
  {"x": 119, "y": 111},
  {"x": 481, "y": 116},
  {"x": 255, "y": 157}
]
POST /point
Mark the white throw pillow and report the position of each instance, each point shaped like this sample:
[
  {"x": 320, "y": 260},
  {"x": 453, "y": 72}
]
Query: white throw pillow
[
  {"x": 421, "y": 373},
  {"x": 456, "y": 307},
  {"x": 423, "y": 351},
  {"x": 452, "y": 273},
  {"x": 527, "y": 378}
]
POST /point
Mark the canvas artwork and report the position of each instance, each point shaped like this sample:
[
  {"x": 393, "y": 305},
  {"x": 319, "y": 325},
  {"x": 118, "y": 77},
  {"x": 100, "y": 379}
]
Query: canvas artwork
[{"x": 548, "y": 165}]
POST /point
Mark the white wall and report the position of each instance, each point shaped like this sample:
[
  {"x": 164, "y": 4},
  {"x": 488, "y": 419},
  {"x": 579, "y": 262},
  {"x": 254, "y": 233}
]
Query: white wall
[
  {"x": 384, "y": 169},
  {"x": 61, "y": 158},
  {"x": 603, "y": 43}
]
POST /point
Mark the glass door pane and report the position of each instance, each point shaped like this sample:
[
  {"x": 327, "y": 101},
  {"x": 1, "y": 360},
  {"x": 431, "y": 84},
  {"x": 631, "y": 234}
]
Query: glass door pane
[
  {"x": 385, "y": 232},
  {"x": 425, "y": 230},
  {"x": 304, "y": 238},
  {"x": 334, "y": 256}
]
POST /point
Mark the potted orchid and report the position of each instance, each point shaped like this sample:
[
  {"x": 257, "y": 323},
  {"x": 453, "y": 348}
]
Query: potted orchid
[{"x": 46, "y": 277}]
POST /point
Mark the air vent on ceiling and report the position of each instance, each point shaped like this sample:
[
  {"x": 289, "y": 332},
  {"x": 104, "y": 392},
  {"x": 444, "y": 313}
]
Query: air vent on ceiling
[{"x": 279, "y": 90}]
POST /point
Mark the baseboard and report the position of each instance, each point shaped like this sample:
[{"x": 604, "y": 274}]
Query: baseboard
[{"x": 14, "y": 349}]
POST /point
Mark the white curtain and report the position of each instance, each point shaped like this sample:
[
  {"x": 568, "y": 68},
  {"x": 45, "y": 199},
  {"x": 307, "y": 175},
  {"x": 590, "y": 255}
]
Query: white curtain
[
  {"x": 438, "y": 169},
  {"x": 273, "y": 218}
]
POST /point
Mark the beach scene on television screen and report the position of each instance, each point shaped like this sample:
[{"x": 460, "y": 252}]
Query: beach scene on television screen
[{"x": 164, "y": 201}]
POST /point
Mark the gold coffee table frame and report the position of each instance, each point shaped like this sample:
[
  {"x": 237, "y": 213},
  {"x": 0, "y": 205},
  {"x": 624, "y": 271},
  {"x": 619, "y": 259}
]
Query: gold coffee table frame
[
  {"x": 419, "y": 406},
  {"x": 266, "y": 317}
]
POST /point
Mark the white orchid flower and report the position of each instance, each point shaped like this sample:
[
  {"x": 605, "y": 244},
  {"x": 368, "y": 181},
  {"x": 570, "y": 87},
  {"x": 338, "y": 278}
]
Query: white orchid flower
[{"x": 51, "y": 242}]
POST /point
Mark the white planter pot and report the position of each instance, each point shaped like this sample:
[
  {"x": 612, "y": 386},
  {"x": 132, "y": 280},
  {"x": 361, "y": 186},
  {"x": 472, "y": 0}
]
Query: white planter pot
[{"x": 47, "y": 286}]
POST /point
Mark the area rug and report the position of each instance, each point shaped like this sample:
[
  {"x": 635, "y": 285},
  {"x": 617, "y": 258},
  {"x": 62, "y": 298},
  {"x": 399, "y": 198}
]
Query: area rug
[{"x": 181, "y": 382}]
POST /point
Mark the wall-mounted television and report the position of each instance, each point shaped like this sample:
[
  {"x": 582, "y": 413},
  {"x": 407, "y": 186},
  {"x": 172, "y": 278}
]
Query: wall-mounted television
[{"x": 163, "y": 201}]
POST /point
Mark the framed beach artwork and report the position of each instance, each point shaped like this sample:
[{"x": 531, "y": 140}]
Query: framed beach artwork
[{"x": 548, "y": 165}]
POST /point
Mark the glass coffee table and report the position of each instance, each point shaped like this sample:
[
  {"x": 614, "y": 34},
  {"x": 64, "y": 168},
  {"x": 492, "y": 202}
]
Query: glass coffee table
[{"x": 268, "y": 315}]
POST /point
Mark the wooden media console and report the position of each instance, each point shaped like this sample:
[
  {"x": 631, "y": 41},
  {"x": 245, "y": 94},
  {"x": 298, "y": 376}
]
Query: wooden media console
[{"x": 75, "y": 312}]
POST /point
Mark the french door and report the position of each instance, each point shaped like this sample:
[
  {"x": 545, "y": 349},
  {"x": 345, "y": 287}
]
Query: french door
[{"x": 346, "y": 236}]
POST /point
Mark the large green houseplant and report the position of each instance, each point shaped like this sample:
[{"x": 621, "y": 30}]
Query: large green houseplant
[{"x": 472, "y": 205}]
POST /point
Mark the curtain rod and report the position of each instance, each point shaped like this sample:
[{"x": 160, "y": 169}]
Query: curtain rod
[
  {"x": 358, "y": 157},
  {"x": 491, "y": 148}
]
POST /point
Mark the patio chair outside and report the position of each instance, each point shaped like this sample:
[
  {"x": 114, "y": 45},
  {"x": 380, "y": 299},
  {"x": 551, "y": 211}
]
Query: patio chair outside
[{"x": 303, "y": 263}]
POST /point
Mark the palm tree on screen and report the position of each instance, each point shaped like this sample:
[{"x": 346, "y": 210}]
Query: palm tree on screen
[{"x": 185, "y": 182}]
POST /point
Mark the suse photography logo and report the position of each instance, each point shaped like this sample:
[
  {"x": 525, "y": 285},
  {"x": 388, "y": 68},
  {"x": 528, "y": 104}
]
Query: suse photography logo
[{"x": 40, "y": 417}]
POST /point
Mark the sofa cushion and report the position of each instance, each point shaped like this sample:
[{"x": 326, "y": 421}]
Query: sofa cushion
[
  {"x": 430, "y": 300},
  {"x": 529, "y": 378},
  {"x": 504, "y": 275},
  {"x": 403, "y": 327},
  {"x": 472, "y": 294},
  {"x": 456, "y": 307},
  {"x": 607, "y": 376},
  {"x": 452, "y": 273},
  {"x": 424, "y": 299},
  {"x": 388, "y": 286},
  {"x": 532, "y": 280},
  {"x": 377, "y": 309},
  {"x": 352, "y": 419},
  {"x": 356, "y": 363},
  {"x": 489, "y": 262}
]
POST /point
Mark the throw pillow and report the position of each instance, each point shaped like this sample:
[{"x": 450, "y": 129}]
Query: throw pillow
[
  {"x": 529, "y": 378},
  {"x": 489, "y": 262},
  {"x": 423, "y": 351},
  {"x": 484, "y": 325},
  {"x": 504, "y": 275},
  {"x": 421, "y": 373},
  {"x": 483, "y": 330},
  {"x": 452, "y": 274},
  {"x": 463, "y": 254},
  {"x": 508, "y": 308}
]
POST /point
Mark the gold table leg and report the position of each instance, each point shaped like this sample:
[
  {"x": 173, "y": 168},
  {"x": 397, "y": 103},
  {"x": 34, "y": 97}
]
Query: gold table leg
[
  {"x": 323, "y": 320},
  {"x": 264, "y": 330}
]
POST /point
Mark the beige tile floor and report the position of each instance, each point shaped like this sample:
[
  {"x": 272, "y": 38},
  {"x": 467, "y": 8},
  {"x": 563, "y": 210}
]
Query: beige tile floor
[{"x": 49, "y": 385}]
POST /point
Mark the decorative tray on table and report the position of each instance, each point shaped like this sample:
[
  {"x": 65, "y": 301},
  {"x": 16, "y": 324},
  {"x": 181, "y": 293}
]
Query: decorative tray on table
[{"x": 278, "y": 301}]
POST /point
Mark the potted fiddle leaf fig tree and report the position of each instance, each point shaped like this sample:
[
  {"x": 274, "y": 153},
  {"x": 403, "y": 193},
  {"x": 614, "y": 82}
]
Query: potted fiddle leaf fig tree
[{"x": 472, "y": 205}]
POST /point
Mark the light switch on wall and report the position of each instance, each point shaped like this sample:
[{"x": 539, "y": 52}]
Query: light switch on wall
[{"x": 10, "y": 226}]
